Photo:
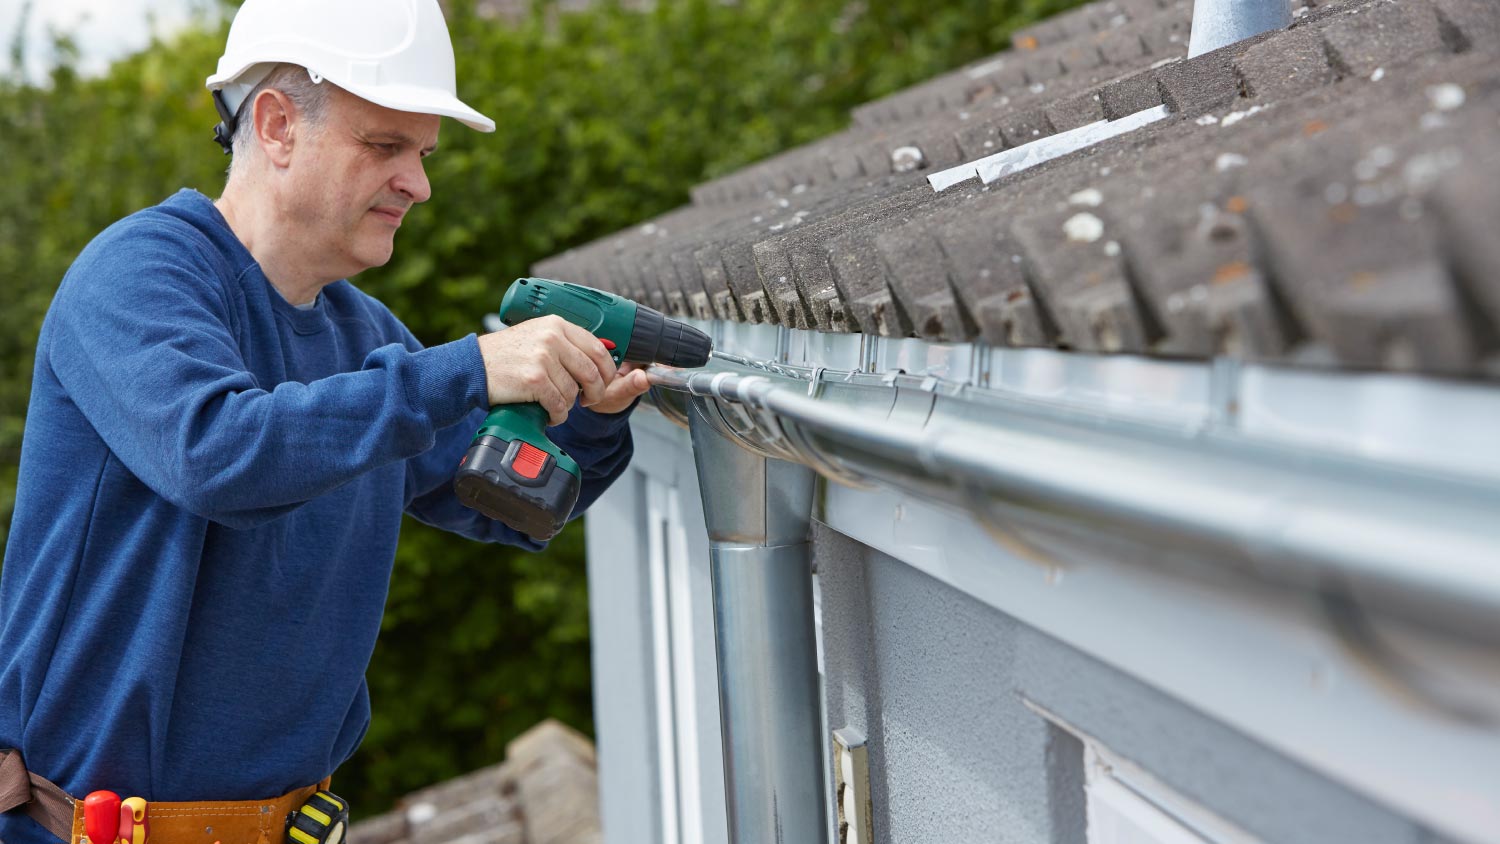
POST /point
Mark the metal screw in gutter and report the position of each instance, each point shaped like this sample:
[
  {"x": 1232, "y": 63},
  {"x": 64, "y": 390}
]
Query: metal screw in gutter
[{"x": 1219, "y": 23}]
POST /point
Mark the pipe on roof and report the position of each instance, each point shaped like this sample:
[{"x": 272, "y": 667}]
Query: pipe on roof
[
  {"x": 1420, "y": 547},
  {"x": 1219, "y": 23}
]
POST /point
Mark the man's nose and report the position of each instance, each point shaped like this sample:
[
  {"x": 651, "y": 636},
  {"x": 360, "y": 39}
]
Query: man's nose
[{"x": 412, "y": 182}]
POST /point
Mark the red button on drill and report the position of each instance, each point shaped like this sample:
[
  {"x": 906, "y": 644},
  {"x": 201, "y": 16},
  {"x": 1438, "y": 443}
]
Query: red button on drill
[
  {"x": 529, "y": 461},
  {"x": 608, "y": 344}
]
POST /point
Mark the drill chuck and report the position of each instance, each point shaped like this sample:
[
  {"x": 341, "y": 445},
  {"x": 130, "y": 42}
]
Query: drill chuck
[{"x": 656, "y": 339}]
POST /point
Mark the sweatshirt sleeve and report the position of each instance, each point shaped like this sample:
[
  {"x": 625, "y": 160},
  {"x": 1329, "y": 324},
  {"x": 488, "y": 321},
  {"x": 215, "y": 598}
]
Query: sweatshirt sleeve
[
  {"x": 141, "y": 338},
  {"x": 599, "y": 442}
]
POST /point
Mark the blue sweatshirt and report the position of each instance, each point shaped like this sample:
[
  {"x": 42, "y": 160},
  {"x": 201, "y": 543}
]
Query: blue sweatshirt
[{"x": 211, "y": 487}]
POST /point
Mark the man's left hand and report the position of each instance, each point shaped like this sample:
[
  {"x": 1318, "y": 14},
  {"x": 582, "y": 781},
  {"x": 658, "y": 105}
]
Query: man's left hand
[{"x": 622, "y": 390}]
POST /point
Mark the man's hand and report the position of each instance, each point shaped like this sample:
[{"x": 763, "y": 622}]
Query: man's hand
[
  {"x": 551, "y": 361},
  {"x": 623, "y": 390}
]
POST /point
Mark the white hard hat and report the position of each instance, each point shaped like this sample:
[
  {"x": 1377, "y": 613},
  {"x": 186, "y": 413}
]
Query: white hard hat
[{"x": 394, "y": 53}]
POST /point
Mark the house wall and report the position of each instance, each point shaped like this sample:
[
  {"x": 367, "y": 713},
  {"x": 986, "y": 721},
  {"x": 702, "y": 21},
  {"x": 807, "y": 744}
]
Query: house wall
[
  {"x": 1004, "y": 700},
  {"x": 656, "y": 705},
  {"x": 940, "y": 683}
]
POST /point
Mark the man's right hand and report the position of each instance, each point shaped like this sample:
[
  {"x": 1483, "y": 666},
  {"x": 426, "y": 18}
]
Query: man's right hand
[{"x": 549, "y": 361}]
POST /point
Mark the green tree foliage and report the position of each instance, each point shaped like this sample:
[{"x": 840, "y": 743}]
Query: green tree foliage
[{"x": 605, "y": 118}]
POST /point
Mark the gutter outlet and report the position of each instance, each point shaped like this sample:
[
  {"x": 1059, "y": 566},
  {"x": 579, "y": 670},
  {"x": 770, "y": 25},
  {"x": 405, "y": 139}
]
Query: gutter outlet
[{"x": 758, "y": 510}]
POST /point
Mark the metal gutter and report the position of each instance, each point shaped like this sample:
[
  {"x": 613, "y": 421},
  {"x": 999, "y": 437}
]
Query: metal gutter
[{"x": 1419, "y": 546}]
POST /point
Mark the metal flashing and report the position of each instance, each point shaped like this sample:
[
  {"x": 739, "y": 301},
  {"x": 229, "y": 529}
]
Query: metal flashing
[{"x": 992, "y": 168}]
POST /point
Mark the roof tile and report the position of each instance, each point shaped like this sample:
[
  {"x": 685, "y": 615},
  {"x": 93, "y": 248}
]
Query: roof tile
[
  {"x": 1126, "y": 96},
  {"x": 1290, "y": 64},
  {"x": 1469, "y": 23},
  {"x": 1075, "y": 111},
  {"x": 1202, "y": 234},
  {"x": 1382, "y": 34}
]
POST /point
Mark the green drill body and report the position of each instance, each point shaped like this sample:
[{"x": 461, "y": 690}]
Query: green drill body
[{"x": 512, "y": 471}]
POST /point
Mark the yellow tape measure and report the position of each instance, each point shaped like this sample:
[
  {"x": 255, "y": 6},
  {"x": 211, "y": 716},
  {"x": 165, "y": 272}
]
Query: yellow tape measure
[{"x": 323, "y": 819}]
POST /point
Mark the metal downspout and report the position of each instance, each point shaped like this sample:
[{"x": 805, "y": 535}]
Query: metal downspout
[
  {"x": 758, "y": 510},
  {"x": 1219, "y": 23}
]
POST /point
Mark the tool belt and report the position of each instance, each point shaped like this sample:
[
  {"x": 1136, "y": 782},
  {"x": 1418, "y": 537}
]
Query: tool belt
[{"x": 207, "y": 822}]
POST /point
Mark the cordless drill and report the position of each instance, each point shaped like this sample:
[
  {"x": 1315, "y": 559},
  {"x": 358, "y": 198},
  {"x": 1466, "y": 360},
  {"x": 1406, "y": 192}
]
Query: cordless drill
[{"x": 511, "y": 471}]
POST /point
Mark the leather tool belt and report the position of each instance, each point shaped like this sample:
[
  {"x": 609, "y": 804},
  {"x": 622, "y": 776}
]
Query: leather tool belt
[{"x": 207, "y": 822}]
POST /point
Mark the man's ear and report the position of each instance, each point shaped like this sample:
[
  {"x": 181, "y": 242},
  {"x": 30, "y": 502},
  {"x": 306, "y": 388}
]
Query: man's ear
[{"x": 275, "y": 124}]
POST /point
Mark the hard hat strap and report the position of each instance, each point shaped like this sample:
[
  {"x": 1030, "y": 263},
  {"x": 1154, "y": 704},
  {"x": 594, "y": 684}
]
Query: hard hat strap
[
  {"x": 224, "y": 132},
  {"x": 232, "y": 95}
]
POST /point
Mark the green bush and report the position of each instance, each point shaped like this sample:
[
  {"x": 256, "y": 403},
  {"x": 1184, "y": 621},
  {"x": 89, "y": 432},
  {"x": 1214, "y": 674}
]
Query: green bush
[{"x": 605, "y": 118}]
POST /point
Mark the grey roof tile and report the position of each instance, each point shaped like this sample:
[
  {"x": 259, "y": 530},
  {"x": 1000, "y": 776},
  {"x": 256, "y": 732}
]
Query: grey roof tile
[
  {"x": 960, "y": 107},
  {"x": 1123, "y": 49},
  {"x": 1215, "y": 229},
  {"x": 1046, "y": 67},
  {"x": 1125, "y": 40},
  {"x": 716, "y": 284},
  {"x": 978, "y": 138},
  {"x": 1071, "y": 112},
  {"x": 827, "y": 272},
  {"x": 915, "y": 260},
  {"x": 1075, "y": 264},
  {"x": 1202, "y": 83},
  {"x": 1023, "y": 127},
  {"x": 778, "y": 280},
  {"x": 1124, "y": 97},
  {"x": 1469, "y": 23},
  {"x": 1166, "y": 35},
  {"x": 1193, "y": 257},
  {"x": 1382, "y": 34},
  {"x": 1289, "y": 64},
  {"x": 943, "y": 263},
  {"x": 1081, "y": 54},
  {"x": 1057, "y": 28}
]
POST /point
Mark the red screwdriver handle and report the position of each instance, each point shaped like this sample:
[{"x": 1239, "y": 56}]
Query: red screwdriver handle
[{"x": 101, "y": 817}]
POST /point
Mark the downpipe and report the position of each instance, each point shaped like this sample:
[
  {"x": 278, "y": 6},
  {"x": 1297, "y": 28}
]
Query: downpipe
[{"x": 757, "y": 509}]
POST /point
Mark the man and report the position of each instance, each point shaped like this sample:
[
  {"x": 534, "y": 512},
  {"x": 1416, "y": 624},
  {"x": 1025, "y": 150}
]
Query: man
[{"x": 223, "y": 435}]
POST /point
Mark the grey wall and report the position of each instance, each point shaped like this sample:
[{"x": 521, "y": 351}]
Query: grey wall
[
  {"x": 936, "y": 680},
  {"x": 624, "y": 700},
  {"x": 623, "y": 615}
]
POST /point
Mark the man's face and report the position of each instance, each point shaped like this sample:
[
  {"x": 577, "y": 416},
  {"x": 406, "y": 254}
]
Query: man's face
[{"x": 354, "y": 178}]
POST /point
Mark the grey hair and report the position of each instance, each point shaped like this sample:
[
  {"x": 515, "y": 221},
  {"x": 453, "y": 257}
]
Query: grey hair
[{"x": 310, "y": 99}]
